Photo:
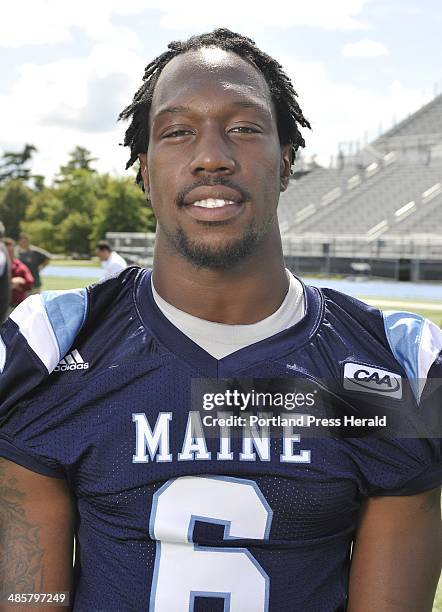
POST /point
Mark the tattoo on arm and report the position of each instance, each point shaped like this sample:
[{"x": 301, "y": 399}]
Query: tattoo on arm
[{"x": 21, "y": 558}]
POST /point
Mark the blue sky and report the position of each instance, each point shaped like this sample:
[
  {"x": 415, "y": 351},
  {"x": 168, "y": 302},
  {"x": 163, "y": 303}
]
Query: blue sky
[{"x": 68, "y": 68}]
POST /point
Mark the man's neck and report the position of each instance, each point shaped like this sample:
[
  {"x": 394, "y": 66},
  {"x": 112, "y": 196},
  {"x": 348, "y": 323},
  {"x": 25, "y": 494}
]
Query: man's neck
[{"x": 249, "y": 292}]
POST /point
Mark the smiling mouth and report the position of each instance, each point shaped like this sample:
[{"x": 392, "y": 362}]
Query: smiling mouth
[
  {"x": 213, "y": 203},
  {"x": 214, "y": 210}
]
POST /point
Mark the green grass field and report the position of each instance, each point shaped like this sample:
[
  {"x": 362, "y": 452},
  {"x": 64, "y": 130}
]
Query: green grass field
[
  {"x": 56, "y": 282},
  {"x": 429, "y": 309},
  {"x": 76, "y": 263}
]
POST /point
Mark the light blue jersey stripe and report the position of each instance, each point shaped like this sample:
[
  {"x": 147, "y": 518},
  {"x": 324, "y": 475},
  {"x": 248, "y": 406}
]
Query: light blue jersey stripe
[
  {"x": 416, "y": 343},
  {"x": 66, "y": 311},
  {"x": 49, "y": 322}
]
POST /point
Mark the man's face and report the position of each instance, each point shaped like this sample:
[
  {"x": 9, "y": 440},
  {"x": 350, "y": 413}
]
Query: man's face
[
  {"x": 102, "y": 254},
  {"x": 215, "y": 167},
  {"x": 24, "y": 242}
]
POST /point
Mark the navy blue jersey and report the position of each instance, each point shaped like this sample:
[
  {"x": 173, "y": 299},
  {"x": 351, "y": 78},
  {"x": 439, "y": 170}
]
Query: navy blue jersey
[{"x": 96, "y": 388}]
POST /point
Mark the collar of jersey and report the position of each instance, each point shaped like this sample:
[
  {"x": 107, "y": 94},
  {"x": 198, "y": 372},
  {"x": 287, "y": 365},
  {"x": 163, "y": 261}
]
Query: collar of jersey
[{"x": 285, "y": 342}]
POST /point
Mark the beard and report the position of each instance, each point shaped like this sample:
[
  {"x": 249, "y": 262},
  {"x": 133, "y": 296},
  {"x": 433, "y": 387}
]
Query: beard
[{"x": 223, "y": 257}]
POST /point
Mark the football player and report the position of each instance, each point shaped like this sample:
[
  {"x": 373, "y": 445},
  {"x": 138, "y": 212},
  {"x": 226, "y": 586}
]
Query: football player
[{"x": 116, "y": 399}]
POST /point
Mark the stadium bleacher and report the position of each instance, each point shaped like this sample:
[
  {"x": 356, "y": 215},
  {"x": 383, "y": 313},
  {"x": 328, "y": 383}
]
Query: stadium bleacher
[
  {"x": 427, "y": 218},
  {"x": 426, "y": 121},
  {"x": 386, "y": 201}
]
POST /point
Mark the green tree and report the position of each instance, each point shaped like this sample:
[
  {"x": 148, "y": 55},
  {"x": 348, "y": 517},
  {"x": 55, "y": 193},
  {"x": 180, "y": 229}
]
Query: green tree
[
  {"x": 79, "y": 191},
  {"x": 79, "y": 194},
  {"x": 121, "y": 208},
  {"x": 60, "y": 218},
  {"x": 15, "y": 197},
  {"x": 43, "y": 216},
  {"x": 74, "y": 233},
  {"x": 42, "y": 234},
  {"x": 13, "y": 165},
  {"x": 79, "y": 159},
  {"x": 39, "y": 182},
  {"x": 80, "y": 207}
]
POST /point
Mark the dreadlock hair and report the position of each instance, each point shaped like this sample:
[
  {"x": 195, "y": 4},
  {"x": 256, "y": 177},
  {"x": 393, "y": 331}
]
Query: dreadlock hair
[{"x": 288, "y": 112}]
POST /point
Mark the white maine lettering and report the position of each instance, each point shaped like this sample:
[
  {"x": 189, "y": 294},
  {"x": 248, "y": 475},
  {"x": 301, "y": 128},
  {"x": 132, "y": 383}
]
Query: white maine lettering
[
  {"x": 194, "y": 445},
  {"x": 154, "y": 445},
  {"x": 145, "y": 440},
  {"x": 224, "y": 454},
  {"x": 289, "y": 440},
  {"x": 257, "y": 438}
]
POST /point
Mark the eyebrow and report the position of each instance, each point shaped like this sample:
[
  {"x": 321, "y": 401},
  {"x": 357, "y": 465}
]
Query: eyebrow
[
  {"x": 238, "y": 103},
  {"x": 172, "y": 109},
  {"x": 250, "y": 104}
]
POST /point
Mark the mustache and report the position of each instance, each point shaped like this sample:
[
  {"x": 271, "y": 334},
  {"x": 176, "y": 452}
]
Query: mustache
[{"x": 207, "y": 182}]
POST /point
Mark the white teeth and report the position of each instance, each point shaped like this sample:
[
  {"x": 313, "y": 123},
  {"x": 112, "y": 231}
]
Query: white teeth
[{"x": 212, "y": 203}]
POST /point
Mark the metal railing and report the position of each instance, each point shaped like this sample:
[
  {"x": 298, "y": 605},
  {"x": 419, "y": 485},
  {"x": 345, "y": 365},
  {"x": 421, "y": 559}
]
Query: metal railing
[{"x": 416, "y": 246}]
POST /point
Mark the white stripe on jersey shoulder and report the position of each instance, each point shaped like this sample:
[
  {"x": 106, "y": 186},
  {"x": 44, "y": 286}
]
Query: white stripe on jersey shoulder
[
  {"x": 2, "y": 355},
  {"x": 415, "y": 342},
  {"x": 34, "y": 325},
  {"x": 50, "y": 322}
]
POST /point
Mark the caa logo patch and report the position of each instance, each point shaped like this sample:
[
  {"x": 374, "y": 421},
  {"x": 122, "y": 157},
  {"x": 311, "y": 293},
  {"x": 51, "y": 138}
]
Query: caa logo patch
[{"x": 359, "y": 377}]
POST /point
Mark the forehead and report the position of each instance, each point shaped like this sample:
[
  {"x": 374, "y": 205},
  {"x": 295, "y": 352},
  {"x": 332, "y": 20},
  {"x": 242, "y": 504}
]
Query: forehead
[{"x": 205, "y": 72}]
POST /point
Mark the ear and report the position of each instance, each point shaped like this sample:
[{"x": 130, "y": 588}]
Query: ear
[
  {"x": 285, "y": 165},
  {"x": 144, "y": 172}
]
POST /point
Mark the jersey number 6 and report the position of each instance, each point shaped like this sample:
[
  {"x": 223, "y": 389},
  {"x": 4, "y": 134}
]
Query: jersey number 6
[{"x": 184, "y": 570}]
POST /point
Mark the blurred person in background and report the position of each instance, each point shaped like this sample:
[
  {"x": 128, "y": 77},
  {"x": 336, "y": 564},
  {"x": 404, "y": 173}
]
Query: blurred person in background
[
  {"x": 34, "y": 258},
  {"x": 22, "y": 280},
  {"x": 111, "y": 261},
  {"x": 5, "y": 290}
]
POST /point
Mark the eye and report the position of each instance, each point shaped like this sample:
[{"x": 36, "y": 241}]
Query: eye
[
  {"x": 245, "y": 129},
  {"x": 177, "y": 133}
]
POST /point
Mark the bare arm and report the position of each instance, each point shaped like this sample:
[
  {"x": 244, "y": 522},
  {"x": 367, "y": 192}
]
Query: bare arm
[
  {"x": 397, "y": 554},
  {"x": 36, "y": 534}
]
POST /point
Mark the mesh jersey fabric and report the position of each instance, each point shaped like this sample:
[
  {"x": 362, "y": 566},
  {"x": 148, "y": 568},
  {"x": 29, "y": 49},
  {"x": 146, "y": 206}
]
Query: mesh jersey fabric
[{"x": 196, "y": 524}]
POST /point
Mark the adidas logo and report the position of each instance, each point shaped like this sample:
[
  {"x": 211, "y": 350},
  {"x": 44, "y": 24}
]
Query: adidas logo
[{"x": 72, "y": 361}]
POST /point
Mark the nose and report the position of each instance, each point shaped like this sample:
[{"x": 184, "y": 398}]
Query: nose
[{"x": 212, "y": 154}]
